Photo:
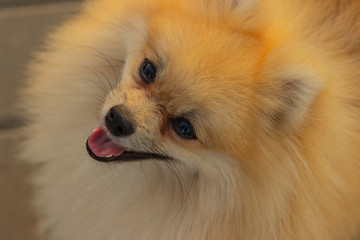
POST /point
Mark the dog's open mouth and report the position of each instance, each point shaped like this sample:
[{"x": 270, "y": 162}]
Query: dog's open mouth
[{"x": 102, "y": 148}]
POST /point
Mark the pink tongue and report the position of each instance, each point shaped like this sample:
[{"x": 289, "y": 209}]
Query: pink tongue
[{"x": 102, "y": 146}]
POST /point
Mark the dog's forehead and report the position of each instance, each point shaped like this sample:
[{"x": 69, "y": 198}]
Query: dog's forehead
[{"x": 202, "y": 61}]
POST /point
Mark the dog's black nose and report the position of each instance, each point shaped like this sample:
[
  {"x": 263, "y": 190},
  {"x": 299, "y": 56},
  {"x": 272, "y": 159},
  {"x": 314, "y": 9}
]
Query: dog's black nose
[{"x": 119, "y": 122}]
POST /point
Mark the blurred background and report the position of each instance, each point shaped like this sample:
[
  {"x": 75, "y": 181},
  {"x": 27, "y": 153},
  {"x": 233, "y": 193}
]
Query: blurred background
[{"x": 23, "y": 27}]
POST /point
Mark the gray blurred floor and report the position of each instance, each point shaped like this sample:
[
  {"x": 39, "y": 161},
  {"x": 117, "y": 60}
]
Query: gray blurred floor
[{"x": 23, "y": 25}]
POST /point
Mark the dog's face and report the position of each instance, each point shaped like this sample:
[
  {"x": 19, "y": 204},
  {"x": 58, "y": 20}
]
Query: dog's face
[
  {"x": 185, "y": 87},
  {"x": 190, "y": 84}
]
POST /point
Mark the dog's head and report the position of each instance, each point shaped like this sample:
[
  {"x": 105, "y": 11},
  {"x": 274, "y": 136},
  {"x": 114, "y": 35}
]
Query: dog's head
[{"x": 197, "y": 78}]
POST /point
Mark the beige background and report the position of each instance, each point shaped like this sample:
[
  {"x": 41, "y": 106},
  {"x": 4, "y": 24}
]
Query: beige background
[{"x": 23, "y": 26}]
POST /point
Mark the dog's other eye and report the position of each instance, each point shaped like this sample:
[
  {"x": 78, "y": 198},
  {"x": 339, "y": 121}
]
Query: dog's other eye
[
  {"x": 147, "y": 71},
  {"x": 183, "y": 128}
]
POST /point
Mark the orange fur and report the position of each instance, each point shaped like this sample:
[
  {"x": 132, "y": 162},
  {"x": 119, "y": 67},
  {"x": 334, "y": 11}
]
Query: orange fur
[{"x": 271, "y": 87}]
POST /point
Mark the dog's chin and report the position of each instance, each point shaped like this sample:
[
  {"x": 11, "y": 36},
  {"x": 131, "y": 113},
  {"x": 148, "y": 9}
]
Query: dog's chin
[{"x": 102, "y": 148}]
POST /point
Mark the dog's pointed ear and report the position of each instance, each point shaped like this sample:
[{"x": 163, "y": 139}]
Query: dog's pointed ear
[
  {"x": 237, "y": 6},
  {"x": 286, "y": 93},
  {"x": 242, "y": 5},
  {"x": 237, "y": 11}
]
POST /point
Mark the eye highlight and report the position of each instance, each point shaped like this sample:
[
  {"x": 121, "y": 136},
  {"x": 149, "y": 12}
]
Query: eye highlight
[
  {"x": 183, "y": 128},
  {"x": 147, "y": 71}
]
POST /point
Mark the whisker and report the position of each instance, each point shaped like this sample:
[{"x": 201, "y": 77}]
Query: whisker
[
  {"x": 161, "y": 173},
  {"x": 170, "y": 165},
  {"x": 193, "y": 184},
  {"x": 110, "y": 63},
  {"x": 99, "y": 83}
]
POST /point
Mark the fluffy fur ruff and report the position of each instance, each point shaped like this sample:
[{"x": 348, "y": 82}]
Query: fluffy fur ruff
[{"x": 271, "y": 87}]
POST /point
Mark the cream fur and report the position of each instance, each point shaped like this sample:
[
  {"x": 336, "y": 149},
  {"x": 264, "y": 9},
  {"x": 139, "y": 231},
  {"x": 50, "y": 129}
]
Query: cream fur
[{"x": 274, "y": 95}]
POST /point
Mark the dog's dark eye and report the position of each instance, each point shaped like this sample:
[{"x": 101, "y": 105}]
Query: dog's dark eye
[
  {"x": 183, "y": 128},
  {"x": 147, "y": 71}
]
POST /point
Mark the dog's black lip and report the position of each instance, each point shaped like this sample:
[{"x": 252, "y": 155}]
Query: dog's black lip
[{"x": 127, "y": 156}]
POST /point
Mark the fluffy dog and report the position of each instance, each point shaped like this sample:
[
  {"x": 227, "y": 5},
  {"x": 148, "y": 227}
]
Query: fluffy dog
[{"x": 233, "y": 119}]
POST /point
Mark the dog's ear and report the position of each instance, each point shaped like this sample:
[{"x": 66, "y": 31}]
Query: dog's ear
[
  {"x": 239, "y": 7},
  {"x": 231, "y": 4},
  {"x": 287, "y": 91}
]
